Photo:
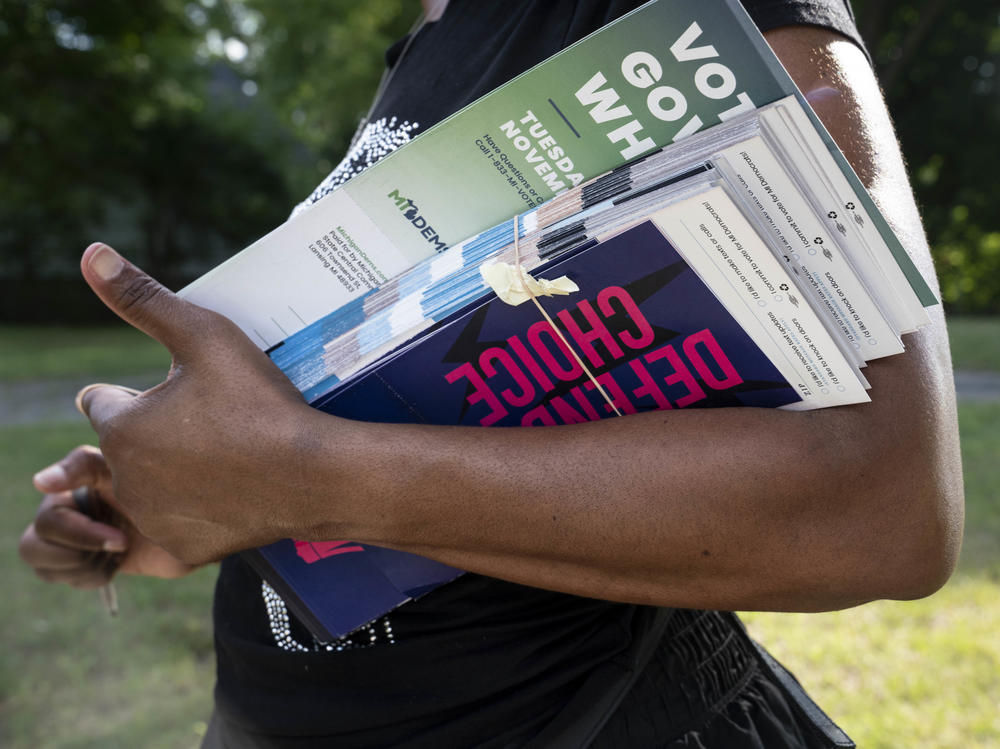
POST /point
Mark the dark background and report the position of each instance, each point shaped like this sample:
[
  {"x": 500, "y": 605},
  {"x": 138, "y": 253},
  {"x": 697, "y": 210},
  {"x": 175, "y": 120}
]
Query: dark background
[{"x": 179, "y": 132}]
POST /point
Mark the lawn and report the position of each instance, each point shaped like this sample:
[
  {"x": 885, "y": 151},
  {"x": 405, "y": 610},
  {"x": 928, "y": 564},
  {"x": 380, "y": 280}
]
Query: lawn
[
  {"x": 975, "y": 342},
  {"x": 31, "y": 352},
  {"x": 916, "y": 673},
  {"x": 921, "y": 673},
  {"x": 72, "y": 677}
]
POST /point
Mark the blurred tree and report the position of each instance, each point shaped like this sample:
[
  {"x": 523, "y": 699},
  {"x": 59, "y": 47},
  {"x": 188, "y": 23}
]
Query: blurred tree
[
  {"x": 938, "y": 63},
  {"x": 117, "y": 123},
  {"x": 181, "y": 130},
  {"x": 318, "y": 65}
]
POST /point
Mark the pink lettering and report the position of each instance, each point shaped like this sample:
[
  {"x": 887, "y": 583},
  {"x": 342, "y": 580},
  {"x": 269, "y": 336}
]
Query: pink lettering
[
  {"x": 704, "y": 338},
  {"x": 529, "y": 361},
  {"x": 615, "y": 394},
  {"x": 598, "y": 332},
  {"x": 566, "y": 372},
  {"x": 645, "y": 335},
  {"x": 566, "y": 412},
  {"x": 649, "y": 386},
  {"x": 681, "y": 375},
  {"x": 585, "y": 405},
  {"x": 313, "y": 551},
  {"x": 480, "y": 392},
  {"x": 496, "y": 354}
]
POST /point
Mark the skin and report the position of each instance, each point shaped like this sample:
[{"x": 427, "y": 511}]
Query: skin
[{"x": 727, "y": 508}]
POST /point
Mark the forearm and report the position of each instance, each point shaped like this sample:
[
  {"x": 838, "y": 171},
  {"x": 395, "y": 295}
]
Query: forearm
[
  {"x": 731, "y": 508},
  {"x": 735, "y": 508}
]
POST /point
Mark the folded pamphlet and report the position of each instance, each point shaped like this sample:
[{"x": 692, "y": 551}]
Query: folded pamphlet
[
  {"x": 651, "y": 78},
  {"x": 723, "y": 254}
]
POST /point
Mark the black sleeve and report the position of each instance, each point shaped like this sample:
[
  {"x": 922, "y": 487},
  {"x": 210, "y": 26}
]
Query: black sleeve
[{"x": 835, "y": 15}]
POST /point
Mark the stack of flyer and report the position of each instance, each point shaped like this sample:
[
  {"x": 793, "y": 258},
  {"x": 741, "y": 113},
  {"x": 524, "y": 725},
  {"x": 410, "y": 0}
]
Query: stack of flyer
[{"x": 709, "y": 244}]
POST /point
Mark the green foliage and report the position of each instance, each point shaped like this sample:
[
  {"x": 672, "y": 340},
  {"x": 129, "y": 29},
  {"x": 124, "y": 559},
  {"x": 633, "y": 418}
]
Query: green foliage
[
  {"x": 939, "y": 63},
  {"x": 115, "y": 123},
  {"x": 318, "y": 65},
  {"x": 182, "y": 130},
  {"x": 980, "y": 428},
  {"x": 179, "y": 132},
  {"x": 967, "y": 258}
]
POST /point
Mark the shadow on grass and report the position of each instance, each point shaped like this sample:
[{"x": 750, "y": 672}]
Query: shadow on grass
[{"x": 70, "y": 677}]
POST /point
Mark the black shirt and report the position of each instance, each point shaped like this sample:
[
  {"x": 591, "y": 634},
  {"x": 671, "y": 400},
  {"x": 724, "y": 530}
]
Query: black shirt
[{"x": 482, "y": 662}]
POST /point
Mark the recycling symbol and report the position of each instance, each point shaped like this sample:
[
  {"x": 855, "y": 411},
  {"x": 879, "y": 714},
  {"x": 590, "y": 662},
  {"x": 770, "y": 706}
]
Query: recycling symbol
[
  {"x": 849, "y": 206},
  {"x": 818, "y": 240},
  {"x": 784, "y": 287},
  {"x": 832, "y": 214}
]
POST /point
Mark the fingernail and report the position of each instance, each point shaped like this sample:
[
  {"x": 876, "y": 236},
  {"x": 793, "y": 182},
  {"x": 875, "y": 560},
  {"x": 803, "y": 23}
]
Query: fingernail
[
  {"x": 106, "y": 263},
  {"x": 114, "y": 546},
  {"x": 53, "y": 477}
]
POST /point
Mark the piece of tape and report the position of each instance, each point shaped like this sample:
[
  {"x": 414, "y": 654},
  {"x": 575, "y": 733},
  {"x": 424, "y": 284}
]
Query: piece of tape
[{"x": 509, "y": 284}]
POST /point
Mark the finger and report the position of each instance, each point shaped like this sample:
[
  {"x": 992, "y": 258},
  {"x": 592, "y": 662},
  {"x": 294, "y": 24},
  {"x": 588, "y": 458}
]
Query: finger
[
  {"x": 101, "y": 403},
  {"x": 58, "y": 522},
  {"x": 139, "y": 299},
  {"x": 83, "y": 466},
  {"x": 42, "y": 555}
]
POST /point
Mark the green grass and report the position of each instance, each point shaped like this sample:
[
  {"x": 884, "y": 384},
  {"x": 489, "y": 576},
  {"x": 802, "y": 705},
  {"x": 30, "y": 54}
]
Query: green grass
[
  {"x": 901, "y": 674},
  {"x": 916, "y": 673},
  {"x": 980, "y": 428},
  {"x": 70, "y": 676},
  {"x": 920, "y": 673},
  {"x": 975, "y": 342},
  {"x": 28, "y": 353}
]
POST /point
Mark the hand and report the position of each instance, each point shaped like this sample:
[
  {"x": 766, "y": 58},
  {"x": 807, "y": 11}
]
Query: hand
[
  {"x": 204, "y": 463},
  {"x": 64, "y": 545}
]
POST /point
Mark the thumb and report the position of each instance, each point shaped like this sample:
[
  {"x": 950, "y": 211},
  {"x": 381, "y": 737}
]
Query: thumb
[
  {"x": 100, "y": 403},
  {"x": 138, "y": 299}
]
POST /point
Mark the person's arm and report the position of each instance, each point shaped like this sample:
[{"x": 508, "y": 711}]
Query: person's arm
[{"x": 724, "y": 508}]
